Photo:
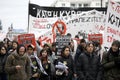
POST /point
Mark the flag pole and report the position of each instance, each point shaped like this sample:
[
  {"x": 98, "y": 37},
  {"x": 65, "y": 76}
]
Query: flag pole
[
  {"x": 101, "y": 3},
  {"x": 28, "y": 17}
]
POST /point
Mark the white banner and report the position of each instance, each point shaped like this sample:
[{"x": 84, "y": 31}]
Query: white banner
[
  {"x": 112, "y": 31},
  {"x": 90, "y": 22}
]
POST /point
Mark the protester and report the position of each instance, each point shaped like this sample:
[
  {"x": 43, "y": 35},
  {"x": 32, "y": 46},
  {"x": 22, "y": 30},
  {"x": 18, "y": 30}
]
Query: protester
[
  {"x": 99, "y": 50},
  {"x": 52, "y": 51},
  {"x": 18, "y": 65},
  {"x": 66, "y": 62},
  {"x": 14, "y": 47},
  {"x": 88, "y": 66},
  {"x": 80, "y": 49},
  {"x": 111, "y": 62},
  {"x": 34, "y": 62},
  {"x": 3, "y": 57},
  {"x": 46, "y": 65},
  {"x": 73, "y": 47}
]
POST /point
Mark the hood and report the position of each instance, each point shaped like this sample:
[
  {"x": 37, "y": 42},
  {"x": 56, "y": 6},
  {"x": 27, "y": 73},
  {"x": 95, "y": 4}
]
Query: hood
[{"x": 17, "y": 56}]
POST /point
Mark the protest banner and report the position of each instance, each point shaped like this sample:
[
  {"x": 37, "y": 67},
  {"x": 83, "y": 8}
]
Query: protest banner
[
  {"x": 112, "y": 31},
  {"x": 42, "y": 19},
  {"x": 90, "y": 22}
]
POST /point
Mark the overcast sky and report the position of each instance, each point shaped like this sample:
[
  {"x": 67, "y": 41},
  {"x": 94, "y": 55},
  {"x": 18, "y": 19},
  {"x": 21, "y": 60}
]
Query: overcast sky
[{"x": 16, "y": 12}]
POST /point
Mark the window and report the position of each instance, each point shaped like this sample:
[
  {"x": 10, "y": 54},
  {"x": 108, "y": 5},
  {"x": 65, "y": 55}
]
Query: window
[
  {"x": 86, "y": 5},
  {"x": 63, "y": 4},
  {"x": 72, "y": 5},
  {"x": 97, "y": 4},
  {"x": 80, "y": 5}
]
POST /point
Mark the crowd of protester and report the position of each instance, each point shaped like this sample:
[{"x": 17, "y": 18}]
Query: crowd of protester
[{"x": 86, "y": 60}]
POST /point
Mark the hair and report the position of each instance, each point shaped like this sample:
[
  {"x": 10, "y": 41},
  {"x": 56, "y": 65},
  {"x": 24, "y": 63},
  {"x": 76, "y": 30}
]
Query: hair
[
  {"x": 19, "y": 46},
  {"x": 46, "y": 45},
  {"x": 53, "y": 44},
  {"x": 14, "y": 42},
  {"x": 88, "y": 43},
  {"x": 6, "y": 39},
  {"x": 116, "y": 42},
  {"x": 82, "y": 41},
  {"x": 31, "y": 46},
  {"x": 68, "y": 34},
  {"x": 96, "y": 43},
  {"x": 63, "y": 49},
  {"x": 76, "y": 36},
  {"x": 42, "y": 58},
  {"x": 2, "y": 47}
]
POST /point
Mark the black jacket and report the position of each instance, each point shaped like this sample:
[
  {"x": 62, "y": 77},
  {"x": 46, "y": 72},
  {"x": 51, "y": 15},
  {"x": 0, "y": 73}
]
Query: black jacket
[
  {"x": 68, "y": 61},
  {"x": 111, "y": 65},
  {"x": 88, "y": 67},
  {"x": 2, "y": 62}
]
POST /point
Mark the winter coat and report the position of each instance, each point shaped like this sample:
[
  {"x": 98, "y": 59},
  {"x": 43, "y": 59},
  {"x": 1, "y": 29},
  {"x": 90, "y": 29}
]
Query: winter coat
[
  {"x": 3, "y": 75},
  {"x": 68, "y": 61},
  {"x": 2, "y": 62},
  {"x": 88, "y": 67},
  {"x": 79, "y": 50},
  {"x": 47, "y": 68},
  {"x": 10, "y": 67},
  {"x": 111, "y": 65}
]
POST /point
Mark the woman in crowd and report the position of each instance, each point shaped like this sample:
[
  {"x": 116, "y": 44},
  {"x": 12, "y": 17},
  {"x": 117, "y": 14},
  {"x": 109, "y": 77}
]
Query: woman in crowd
[
  {"x": 34, "y": 62},
  {"x": 3, "y": 57},
  {"x": 111, "y": 62},
  {"x": 66, "y": 62},
  {"x": 46, "y": 65},
  {"x": 18, "y": 65},
  {"x": 14, "y": 47},
  {"x": 88, "y": 66}
]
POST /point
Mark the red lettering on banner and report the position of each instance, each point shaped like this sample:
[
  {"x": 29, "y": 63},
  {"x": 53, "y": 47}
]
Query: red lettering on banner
[
  {"x": 113, "y": 31},
  {"x": 110, "y": 39},
  {"x": 37, "y": 25},
  {"x": 44, "y": 40},
  {"x": 100, "y": 28},
  {"x": 112, "y": 5},
  {"x": 117, "y": 9}
]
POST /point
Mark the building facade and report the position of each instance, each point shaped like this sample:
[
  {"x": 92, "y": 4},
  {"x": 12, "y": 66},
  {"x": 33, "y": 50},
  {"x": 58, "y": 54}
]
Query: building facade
[
  {"x": 81, "y": 3},
  {"x": 13, "y": 33}
]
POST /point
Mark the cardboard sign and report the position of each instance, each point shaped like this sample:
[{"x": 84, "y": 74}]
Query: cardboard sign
[
  {"x": 26, "y": 39},
  {"x": 96, "y": 37},
  {"x": 61, "y": 41}
]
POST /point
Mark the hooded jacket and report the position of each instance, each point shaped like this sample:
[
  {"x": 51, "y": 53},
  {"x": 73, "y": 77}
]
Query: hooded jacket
[
  {"x": 111, "y": 65},
  {"x": 15, "y": 59}
]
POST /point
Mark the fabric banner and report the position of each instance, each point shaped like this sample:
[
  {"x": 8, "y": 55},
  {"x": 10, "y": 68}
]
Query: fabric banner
[
  {"x": 112, "y": 31},
  {"x": 42, "y": 20}
]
